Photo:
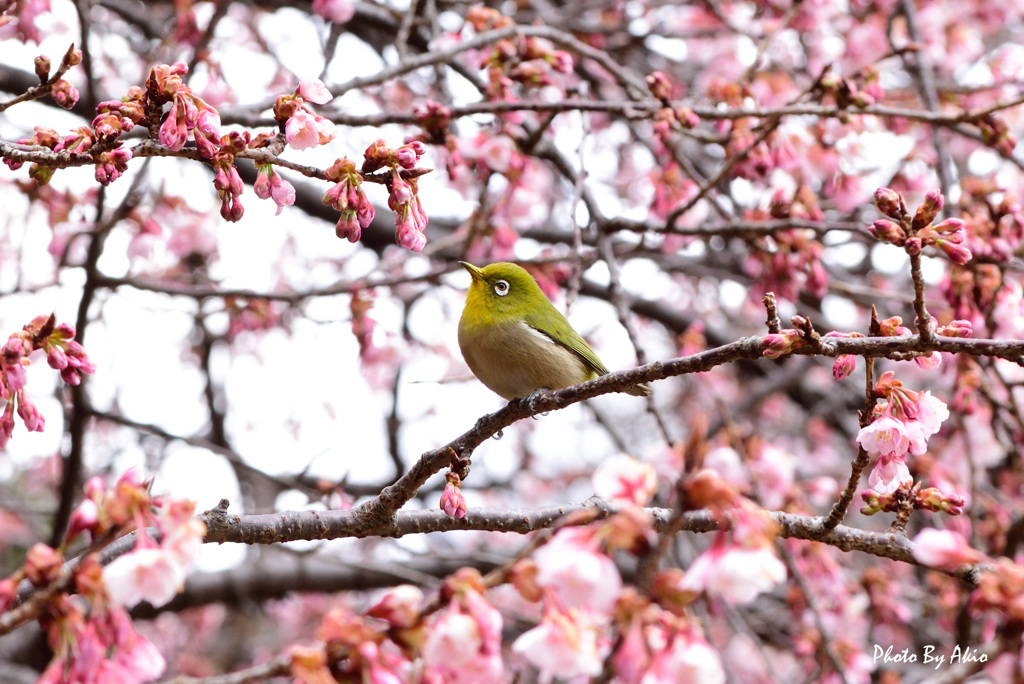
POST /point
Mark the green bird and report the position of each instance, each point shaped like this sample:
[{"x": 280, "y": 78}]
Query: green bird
[{"x": 516, "y": 342}]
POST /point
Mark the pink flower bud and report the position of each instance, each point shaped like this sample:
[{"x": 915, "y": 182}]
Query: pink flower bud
[
  {"x": 56, "y": 358},
  {"x": 6, "y": 426},
  {"x": 949, "y": 225},
  {"x": 659, "y": 84},
  {"x": 42, "y": 565},
  {"x": 84, "y": 517},
  {"x": 844, "y": 366},
  {"x": 913, "y": 246},
  {"x": 65, "y": 94},
  {"x": 957, "y": 253},
  {"x": 890, "y": 203},
  {"x": 262, "y": 185},
  {"x": 929, "y": 209},
  {"x": 783, "y": 342},
  {"x": 888, "y": 231},
  {"x": 956, "y": 328},
  {"x": 452, "y": 501},
  {"x": 348, "y": 227}
]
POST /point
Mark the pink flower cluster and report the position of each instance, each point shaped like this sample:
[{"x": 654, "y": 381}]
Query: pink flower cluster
[
  {"x": 348, "y": 197},
  {"x": 99, "y": 646},
  {"x": 92, "y": 637},
  {"x": 458, "y": 644},
  {"x": 188, "y": 112},
  {"x": 403, "y": 195},
  {"x": 63, "y": 353},
  {"x": 270, "y": 185},
  {"x": 304, "y": 128},
  {"x": 902, "y": 423},
  {"x": 913, "y": 233}
]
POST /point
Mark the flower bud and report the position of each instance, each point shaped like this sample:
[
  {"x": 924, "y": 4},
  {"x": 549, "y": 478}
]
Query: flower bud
[
  {"x": 888, "y": 231},
  {"x": 42, "y": 64},
  {"x": 929, "y": 209},
  {"x": 659, "y": 84},
  {"x": 890, "y": 203}
]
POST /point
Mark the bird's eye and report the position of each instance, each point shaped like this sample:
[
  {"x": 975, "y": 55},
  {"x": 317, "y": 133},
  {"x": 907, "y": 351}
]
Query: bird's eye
[{"x": 501, "y": 288}]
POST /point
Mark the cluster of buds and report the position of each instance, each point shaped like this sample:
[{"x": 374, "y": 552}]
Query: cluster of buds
[
  {"x": 403, "y": 196},
  {"x": 347, "y": 196},
  {"x": 928, "y": 499},
  {"x": 95, "y": 634},
  {"x": 270, "y": 185},
  {"x": 528, "y": 61},
  {"x": 914, "y": 232},
  {"x": 62, "y": 92},
  {"x": 188, "y": 112},
  {"x": 226, "y": 180},
  {"x": 893, "y": 327},
  {"x": 43, "y": 137},
  {"x": 996, "y": 133},
  {"x": 63, "y": 353},
  {"x": 667, "y": 116},
  {"x": 304, "y": 128},
  {"x": 846, "y": 92},
  {"x": 435, "y": 120},
  {"x": 251, "y": 314}
]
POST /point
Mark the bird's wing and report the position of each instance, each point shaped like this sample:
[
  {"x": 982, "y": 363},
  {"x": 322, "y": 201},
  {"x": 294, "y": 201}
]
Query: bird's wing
[{"x": 572, "y": 341}]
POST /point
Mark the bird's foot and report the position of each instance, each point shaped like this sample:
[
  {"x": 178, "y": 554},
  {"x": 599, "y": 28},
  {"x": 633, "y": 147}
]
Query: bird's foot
[{"x": 530, "y": 401}]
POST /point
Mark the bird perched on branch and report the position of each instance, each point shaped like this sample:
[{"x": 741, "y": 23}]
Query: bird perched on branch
[{"x": 516, "y": 342}]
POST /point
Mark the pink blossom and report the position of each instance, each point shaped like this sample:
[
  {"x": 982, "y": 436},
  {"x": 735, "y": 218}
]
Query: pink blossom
[
  {"x": 884, "y": 435},
  {"x": 734, "y": 574},
  {"x": 564, "y": 645},
  {"x": 931, "y": 411},
  {"x": 943, "y": 548},
  {"x": 685, "y": 659},
  {"x": 622, "y": 479},
  {"x": 933, "y": 360},
  {"x": 632, "y": 656},
  {"x": 282, "y": 192},
  {"x": 147, "y": 574},
  {"x": 313, "y": 90},
  {"x": 889, "y": 474},
  {"x": 580, "y": 575},
  {"x": 337, "y": 11},
  {"x": 400, "y": 606},
  {"x": 497, "y": 153},
  {"x": 301, "y": 130},
  {"x": 454, "y": 648}
]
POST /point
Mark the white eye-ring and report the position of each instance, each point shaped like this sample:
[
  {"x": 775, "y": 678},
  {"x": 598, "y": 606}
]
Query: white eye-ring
[{"x": 501, "y": 288}]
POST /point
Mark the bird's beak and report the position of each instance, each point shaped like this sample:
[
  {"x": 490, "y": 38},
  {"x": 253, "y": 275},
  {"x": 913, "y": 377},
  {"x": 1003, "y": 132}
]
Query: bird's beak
[{"x": 473, "y": 270}]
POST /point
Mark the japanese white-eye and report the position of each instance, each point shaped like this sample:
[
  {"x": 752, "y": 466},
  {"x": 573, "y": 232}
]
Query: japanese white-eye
[{"x": 516, "y": 342}]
